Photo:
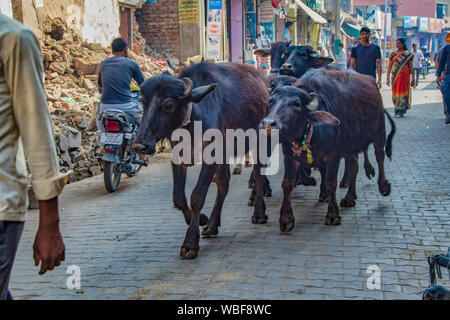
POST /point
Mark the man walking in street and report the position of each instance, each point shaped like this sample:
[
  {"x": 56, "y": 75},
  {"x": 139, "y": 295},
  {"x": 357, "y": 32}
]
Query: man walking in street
[
  {"x": 341, "y": 58},
  {"x": 417, "y": 64},
  {"x": 443, "y": 75},
  {"x": 366, "y": 57},
  {"x": 25, "y": 127}
]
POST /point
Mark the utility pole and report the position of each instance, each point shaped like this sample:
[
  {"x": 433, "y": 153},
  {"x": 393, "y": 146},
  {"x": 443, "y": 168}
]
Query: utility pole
[{"x": 337, "y": 22}]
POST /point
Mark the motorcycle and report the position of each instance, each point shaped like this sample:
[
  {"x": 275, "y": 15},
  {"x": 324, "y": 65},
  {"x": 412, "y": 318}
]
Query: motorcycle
[
  {"x": 118, "y": 157},
  {"x": 425, "y": 67}
]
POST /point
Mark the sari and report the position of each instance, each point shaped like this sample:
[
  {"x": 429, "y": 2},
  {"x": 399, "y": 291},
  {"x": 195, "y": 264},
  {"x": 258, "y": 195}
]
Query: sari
[{"x": 401, "y": 81}]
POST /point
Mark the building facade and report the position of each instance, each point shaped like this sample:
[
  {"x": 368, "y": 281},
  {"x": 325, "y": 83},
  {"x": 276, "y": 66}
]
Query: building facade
[{"x": 228, "y": 30}]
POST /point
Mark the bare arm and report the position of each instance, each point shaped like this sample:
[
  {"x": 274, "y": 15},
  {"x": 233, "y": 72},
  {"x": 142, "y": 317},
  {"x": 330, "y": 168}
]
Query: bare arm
[
  {"x": 379, "y": 73},
  {"x": 352, "y": 63},
  {"x": 411, "y": 72},
  {"x": 388, "y": 72}
]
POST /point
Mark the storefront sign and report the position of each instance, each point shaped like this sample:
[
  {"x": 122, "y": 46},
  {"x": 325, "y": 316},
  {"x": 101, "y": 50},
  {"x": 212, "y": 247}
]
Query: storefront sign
[
  {"x": 435, "y": 25},
  {"x": 215, "y": 5},
  {"x": 407, "y": 22},
  {"x": 423, "y": 24},
  {"x": 214, "y": 30},
  {"x": 188, "y": 11}
]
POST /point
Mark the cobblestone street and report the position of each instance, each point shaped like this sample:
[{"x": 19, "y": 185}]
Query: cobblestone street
[{"x": 127, "y": 243}]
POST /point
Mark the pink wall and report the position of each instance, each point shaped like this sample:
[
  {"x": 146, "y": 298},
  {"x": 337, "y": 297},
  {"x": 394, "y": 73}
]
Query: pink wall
[{"x": 420, "y": 8}]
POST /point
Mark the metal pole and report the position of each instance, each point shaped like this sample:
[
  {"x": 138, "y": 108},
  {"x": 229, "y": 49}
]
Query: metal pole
[
  {"x": 337, "y": 24},
  {"x": 337, "y": 18},
  {"x": 385, "y": 33}
]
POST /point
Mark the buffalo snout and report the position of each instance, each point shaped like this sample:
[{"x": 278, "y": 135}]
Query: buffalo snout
[
  {"x": 287, "y": 69},
  {"x": 144, "y": 149},
  {"x": 269, "y": 124}
]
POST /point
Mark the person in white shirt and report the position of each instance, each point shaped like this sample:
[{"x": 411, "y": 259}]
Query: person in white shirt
[
  {"x": 417, "y": 63},
  {"x": 341, "y": 58}
]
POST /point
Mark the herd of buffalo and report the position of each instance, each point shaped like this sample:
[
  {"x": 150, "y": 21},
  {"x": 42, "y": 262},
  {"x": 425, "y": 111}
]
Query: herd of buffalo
[{"x": 326, "y": 112}]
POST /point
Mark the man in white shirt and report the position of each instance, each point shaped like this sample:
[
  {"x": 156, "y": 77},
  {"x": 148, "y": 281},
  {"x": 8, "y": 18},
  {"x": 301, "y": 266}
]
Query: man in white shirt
[
  {"x": 341, "y": 58},
  {"x": 417, "y": 63}
]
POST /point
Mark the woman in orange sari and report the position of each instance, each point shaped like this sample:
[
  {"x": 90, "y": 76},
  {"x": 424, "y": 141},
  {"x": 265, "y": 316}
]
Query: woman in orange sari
[{"x": 400, "y": 63}]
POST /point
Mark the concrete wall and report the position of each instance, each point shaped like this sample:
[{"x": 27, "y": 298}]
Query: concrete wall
[
  {"x": 159, "y": 25},
  {"x": 97, "y": 21},
  {"x": 6, "y": 8}
]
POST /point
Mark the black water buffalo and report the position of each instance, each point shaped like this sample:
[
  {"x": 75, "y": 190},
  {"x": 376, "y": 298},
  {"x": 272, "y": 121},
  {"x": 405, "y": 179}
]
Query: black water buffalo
[
  {"x": 299, "y": 59},
  {"x": 346, "y": 113},
  {"x": 220, "y": 96}
]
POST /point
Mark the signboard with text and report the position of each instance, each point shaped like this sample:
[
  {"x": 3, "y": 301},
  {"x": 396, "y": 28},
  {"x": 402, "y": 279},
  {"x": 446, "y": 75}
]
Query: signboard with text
[
  {"x": 214, "y": 30},
  {"x": 188, "y": 11},
  {"x": 423, "y": 24}
]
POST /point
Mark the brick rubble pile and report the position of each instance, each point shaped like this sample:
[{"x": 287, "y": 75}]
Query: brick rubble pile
[{"x": 71, "y": 68}]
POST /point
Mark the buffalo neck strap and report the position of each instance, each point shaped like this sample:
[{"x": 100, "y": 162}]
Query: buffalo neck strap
[
  {"x": 304, "y": 145},
  {"x": 187, "y": 116}
]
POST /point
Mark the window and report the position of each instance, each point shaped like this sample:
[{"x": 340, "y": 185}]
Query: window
[{"x": 441, "y": 11}]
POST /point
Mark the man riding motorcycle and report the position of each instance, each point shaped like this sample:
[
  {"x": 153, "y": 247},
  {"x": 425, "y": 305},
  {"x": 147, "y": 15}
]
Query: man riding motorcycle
[{"x": 114, "y": 81}]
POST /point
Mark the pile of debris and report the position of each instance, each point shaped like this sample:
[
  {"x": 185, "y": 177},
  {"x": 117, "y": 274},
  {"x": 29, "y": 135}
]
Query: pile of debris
[{"x": 71, "y": 68}]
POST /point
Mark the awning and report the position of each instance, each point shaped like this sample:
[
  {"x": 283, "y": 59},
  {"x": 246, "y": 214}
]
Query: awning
[
  {"x": 317, "y": 18},
  {"x": 350, "y": 29}
]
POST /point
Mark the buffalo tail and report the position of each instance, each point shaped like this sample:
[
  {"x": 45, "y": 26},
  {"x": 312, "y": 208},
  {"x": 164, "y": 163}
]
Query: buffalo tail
[{"x": 388, "y": 148}]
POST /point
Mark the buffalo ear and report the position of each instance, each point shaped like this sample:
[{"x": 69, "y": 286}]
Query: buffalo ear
[
  {"x": 288, "y": 43},
  {"x": 262, "y": 53},
  {"x": 322, "y": 118},
  {"x": 199, "y": 93},
  {"x": 320, "y": 61}
]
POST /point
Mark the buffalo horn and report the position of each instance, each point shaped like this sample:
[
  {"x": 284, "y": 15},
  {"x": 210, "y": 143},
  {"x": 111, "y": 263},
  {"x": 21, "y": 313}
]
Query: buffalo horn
[
  {"x": 314, "y": 104},
  {"x": 188, "y": 90}
]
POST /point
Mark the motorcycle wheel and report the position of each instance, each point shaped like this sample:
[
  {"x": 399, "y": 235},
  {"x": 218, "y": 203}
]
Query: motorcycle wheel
[{"x": 111, "y": 175}]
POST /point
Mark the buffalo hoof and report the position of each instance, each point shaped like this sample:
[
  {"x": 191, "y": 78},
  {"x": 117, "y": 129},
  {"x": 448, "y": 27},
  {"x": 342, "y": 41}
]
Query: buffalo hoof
[
  {"x": 259, "y": 220},
  {"x": 237, "y": 170},
  {"x": 186, "y": 253},
  {"x": 348, "y": 202},
  {"x": 210, "y": 232},
  {"x": 268, "y": 193},
  {"x": 370, "y": 171},
  {"x": 251, "y": 202},
  {"x": 343, "y": 184},
  {"x": 323, "y": 198},
  {"x": 333, "y": 221},
  {"x": 247, "y": 164},
  {"x": 203, "y": 219},
  {"x": 384, "y": 188},
  {"x": 287, "y": 226}
]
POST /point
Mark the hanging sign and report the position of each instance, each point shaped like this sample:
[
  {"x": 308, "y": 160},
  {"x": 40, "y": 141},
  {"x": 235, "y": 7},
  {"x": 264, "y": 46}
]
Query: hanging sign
[
  {"x": 266, "y": 12},
  {"x": 214, "y": 30},
  {"x": 188, "y": 11},
  {"x": 423, "y": 24}
]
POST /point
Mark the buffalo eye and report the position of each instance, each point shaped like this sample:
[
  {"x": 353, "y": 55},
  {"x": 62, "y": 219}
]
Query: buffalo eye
[
  {"x": 168, "y": 105},
  {"x": 298, "y": 104}
]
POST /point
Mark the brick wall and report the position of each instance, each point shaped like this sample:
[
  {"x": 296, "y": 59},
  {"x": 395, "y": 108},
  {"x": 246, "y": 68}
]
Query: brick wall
[{"x": 159, "y": 25}]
